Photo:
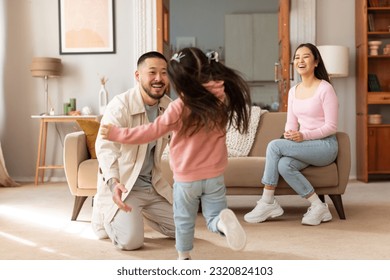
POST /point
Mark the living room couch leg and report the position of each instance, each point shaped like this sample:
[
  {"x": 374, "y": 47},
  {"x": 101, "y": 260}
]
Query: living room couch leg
[
  {"x": 338, "y": 204},
  {"x": 78, "y": 203}
]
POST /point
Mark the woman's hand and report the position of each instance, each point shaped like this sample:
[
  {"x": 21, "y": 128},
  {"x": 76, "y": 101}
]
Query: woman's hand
[
  {"x": 293, "y": 135},
  {"x": 105, "y": 130}
]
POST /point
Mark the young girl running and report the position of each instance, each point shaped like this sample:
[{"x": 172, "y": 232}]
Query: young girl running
[{"x": 211, "y": 98}]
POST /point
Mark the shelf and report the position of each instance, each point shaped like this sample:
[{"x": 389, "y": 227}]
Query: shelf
[
  {"x": 379, "y": 56},
  {"x": 382, "y": 125},
  {"x": 378, "y": 9},
  {"x": 378, "y": 97},
  {"x": 378, "y": 34}
]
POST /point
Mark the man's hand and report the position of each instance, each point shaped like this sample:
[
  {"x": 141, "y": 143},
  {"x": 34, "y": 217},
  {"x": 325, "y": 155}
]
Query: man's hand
[
  {"x": 105, "y": 130},
  {"x": 117, "y": 192}
]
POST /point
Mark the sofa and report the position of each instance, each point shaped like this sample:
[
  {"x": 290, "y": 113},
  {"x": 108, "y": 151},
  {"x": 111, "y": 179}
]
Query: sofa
[{"x": 243, "y": 174}]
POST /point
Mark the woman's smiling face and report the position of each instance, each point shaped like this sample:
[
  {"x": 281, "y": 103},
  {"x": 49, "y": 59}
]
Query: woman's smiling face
[{"x": 304, "y": 61}]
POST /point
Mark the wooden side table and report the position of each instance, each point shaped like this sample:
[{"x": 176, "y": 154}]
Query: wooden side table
[{"x": 44, "y": 120}]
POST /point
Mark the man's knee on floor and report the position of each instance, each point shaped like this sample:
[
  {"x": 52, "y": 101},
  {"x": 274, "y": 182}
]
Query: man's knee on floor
[{"x": 129, "y": 244}]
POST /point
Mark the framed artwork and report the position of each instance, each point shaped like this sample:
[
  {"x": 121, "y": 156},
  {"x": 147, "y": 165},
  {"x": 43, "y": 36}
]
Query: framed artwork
[{"x": 86, "y": 27}]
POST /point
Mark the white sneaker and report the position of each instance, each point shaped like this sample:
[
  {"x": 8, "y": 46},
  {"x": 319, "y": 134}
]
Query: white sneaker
[
  {"x": 263, "y": 211},
  {"x": 317, "y": 214},
  {"x": 235, "y": 234}
]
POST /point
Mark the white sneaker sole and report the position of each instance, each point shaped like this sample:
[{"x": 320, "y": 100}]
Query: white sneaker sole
[
  {"x": 235, "y": 234},
  {"x": 324, "y": 219},
  {"x": 273, "y": 215}
]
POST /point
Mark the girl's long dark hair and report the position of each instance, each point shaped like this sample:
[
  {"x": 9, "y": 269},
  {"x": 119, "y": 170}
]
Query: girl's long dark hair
[
  {"x": 203, "y": 109},
  {"x": 320, "y": 71}
]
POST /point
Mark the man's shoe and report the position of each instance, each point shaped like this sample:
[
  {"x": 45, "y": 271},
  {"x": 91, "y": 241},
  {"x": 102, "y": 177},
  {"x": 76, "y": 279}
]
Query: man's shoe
[
  {"x": 264, "y": 211},
  {"x": 317, "y": 214}
]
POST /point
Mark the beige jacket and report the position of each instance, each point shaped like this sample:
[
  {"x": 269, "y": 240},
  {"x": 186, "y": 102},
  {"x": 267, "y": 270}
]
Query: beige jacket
[{"x": 125, "y": 161}]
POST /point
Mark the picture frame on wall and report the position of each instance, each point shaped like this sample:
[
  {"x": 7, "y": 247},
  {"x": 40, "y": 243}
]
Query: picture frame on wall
[{"x": 85, "y": 28}]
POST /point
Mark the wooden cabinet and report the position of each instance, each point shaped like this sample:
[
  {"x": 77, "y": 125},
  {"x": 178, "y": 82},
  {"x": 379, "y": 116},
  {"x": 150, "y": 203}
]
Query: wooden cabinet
[
  {"x": 251, "y": 42},
  {"x": 372, "y": 140},
  {"x": 378, "y": 148}
]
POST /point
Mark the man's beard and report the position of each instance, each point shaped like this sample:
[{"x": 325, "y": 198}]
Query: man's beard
[{"x": 153, "y": 96}]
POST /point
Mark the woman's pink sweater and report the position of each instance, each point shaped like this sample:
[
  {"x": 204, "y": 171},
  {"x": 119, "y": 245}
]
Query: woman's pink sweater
[{"x": 316, "y": 116}]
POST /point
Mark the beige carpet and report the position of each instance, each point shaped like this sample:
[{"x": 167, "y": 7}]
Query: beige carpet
[{"x": 35, "y": 224}]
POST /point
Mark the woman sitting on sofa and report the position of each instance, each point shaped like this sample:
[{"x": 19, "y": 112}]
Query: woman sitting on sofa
[{"x": 309, "y": 139}]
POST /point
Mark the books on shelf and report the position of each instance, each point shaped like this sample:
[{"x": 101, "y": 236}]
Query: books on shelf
[
  {"x": 371, "y": 25},
  {"x": 373, "y": 83}
]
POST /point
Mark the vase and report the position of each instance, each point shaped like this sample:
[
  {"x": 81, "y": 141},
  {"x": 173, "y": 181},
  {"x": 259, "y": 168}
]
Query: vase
[{"x": 103, "y": 99}]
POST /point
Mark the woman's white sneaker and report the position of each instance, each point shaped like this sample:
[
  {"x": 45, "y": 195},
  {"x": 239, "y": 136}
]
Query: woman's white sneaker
[
  {"x": 317, "y": 214},
  {"x": 264, "y": 211}
]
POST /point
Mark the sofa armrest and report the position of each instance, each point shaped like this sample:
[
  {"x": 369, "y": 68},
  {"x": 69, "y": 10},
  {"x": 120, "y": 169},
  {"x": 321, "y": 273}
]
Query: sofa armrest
[
  {"x": 75, "y": 151},
  {"x": 343, "y": 160}
]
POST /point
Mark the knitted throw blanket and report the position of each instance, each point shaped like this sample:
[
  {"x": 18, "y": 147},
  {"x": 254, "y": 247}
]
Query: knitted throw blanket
[{"x": 239, "y": 145}]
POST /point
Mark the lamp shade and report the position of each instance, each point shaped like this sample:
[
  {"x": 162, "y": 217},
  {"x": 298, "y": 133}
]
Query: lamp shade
[
  {"x": 46, "y": 67},
  {"x": 335, "y": 59}
]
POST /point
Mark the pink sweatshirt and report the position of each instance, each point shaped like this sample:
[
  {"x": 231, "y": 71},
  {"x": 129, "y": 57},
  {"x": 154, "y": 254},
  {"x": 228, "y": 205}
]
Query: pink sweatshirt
[
  {"x": 316, "y": 116},
  {"x": 200, "y": 156}
]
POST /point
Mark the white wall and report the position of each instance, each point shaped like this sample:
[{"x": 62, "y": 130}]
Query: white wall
[
  {"x": 336, "y": 26},
  {"x": 32, "y": 30}
]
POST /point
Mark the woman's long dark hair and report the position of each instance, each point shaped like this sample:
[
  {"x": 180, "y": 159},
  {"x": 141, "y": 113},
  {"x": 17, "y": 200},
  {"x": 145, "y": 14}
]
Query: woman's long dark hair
[
  {"x": 187, "y": 72},
  {"x": 320, "y": 71}
]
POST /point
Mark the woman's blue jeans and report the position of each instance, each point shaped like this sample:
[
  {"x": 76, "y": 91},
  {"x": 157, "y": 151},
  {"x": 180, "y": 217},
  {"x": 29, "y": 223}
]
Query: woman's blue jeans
[
  {"x": 288, "y": 158},
  {"x": 186, "y": 197}
]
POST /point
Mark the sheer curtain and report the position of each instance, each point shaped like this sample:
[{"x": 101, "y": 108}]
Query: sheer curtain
[{"x": 5, "y": 179}]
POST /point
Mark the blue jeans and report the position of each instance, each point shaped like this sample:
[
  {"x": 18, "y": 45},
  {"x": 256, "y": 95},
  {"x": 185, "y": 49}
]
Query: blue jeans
[
  {"x": 186, "y": 197},
  {"x": 288, "y": 158}
]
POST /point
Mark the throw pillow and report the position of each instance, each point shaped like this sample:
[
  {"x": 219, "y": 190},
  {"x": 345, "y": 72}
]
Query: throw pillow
[
  {"x": 91, "y": 129},
  {"x": 239, "y": 145}
]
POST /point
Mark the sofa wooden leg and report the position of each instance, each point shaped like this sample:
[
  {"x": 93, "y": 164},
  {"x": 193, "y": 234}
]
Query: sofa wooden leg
[
  {"x": 78, "y": 203},
  {"x": 338, "y": 204}
]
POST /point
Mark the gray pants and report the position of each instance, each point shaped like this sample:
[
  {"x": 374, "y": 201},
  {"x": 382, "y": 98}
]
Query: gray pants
[{"x": 126, "y": 230}]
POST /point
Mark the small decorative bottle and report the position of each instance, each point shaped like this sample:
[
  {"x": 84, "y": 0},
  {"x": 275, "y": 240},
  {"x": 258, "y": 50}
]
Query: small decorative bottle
[{"x": 103, "y": 95}]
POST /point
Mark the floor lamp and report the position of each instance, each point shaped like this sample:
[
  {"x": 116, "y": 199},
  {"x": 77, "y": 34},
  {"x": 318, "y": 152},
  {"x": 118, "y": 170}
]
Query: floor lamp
[{"x": 46, "y": 67}]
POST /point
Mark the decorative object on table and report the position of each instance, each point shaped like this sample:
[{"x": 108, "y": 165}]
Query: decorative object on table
[
  {"x": 66, "y": 108},
  {"x": 335, "y": 59},
  {"x": 86, "y": 110},
  {"x": 72, "y": 103},
  {"x": 46, "y": 67},
  {"x": 103, "y": 95},
  {"x": 74, "y": 113},
  {"x": 374, "y": 46},
  {"x": 86, "y": 29}
]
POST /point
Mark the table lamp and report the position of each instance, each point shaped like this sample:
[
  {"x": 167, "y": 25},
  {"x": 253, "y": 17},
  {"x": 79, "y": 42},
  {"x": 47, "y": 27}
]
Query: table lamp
[
  {"x": 46, "y": 67},
  {"x": 335, "y": 59}
]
